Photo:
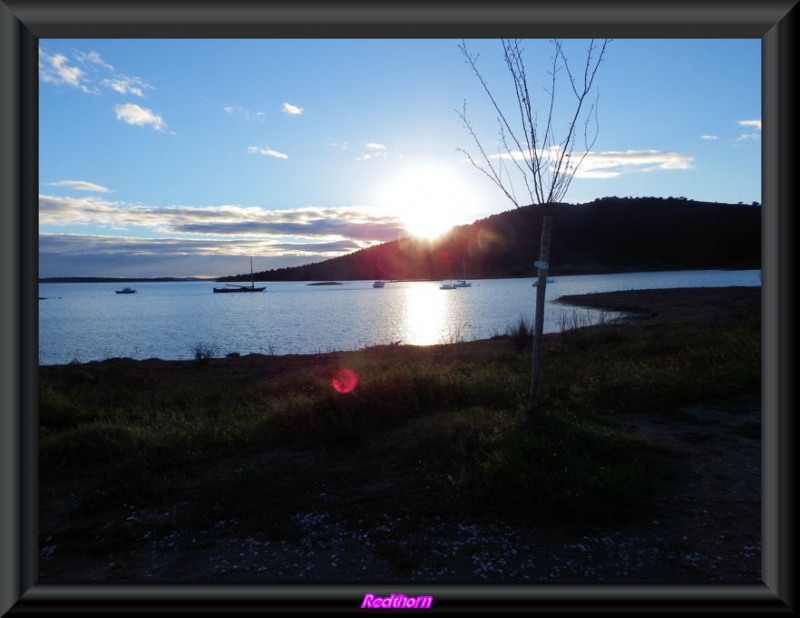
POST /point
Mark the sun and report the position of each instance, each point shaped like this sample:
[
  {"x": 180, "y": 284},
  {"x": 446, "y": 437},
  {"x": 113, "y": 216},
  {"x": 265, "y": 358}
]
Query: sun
[{"x": 429, "y": 199}]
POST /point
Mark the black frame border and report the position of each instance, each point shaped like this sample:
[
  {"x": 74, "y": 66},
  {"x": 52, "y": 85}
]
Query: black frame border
[{"x": 24, "y": 22}]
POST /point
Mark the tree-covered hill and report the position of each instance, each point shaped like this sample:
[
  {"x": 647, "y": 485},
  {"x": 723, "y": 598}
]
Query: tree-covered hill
[{"x": 606, "y": 235}]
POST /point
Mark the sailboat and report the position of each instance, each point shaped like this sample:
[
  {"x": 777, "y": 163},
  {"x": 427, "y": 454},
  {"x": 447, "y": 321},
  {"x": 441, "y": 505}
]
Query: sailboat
[
  {"x": 463, "y": 283},
  {"x": 380, "y": 282},
  {"x": 233, "y": 287}
]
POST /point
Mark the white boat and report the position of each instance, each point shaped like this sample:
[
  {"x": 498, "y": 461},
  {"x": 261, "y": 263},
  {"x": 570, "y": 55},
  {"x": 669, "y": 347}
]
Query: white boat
[
  {"x": 379, "y": 283},
  {"x": 548, "y": 280}
]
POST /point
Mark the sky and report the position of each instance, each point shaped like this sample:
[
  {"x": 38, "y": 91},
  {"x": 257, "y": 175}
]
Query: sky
[{"x": 189, "y": 157}]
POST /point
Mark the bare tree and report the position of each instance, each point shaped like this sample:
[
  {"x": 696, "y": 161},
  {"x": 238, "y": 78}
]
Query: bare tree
[
  {"x": 538, "y": 156},
  {"x": 544, "y": 163}
]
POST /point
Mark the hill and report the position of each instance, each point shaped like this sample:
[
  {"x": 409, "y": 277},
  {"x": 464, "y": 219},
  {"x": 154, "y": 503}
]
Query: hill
[{"x": 607, "y": 235}]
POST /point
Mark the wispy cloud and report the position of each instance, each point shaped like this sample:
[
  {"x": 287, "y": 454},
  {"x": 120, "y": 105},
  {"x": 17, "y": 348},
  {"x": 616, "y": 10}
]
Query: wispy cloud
[
  {"x": 374, "y": 151},
  {"x": 292, "y": 110},
  {"x": 612, "y": 164},
  {"x": 749, "y": 136},
  {"x": 709, "y": 137},
  {"x": 94, "y": 58},
  {"x": 124, "y": 85},
  {"x": 79, "y": 185},
  {"x": 139, "y": 116},
  {"x": 243, "y": 112},
  {"x": 269, "y": 152},
  {"x": 93, "y": 73}
]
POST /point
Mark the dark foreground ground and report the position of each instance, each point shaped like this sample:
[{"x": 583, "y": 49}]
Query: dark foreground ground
[{"x": 708, "y": 528}]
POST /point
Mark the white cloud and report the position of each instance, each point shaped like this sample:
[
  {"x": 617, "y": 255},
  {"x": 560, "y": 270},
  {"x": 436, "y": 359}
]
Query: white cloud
[
  {"x": 139, "y": 116},
  {"x": 56, "y": 69},
  {"x": 79, "y": 185},
  {"x": 751, "y": 123},
  {"x": 712, "y": 137},
  {"x": 267, "y": 151},
  {"x": 292, "y": 110}
]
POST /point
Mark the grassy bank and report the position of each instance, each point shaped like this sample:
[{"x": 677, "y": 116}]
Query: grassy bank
[{"x": 256, "y": 439}]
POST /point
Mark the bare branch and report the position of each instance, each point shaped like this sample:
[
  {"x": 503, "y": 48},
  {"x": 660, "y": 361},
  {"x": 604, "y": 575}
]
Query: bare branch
[
  {"x": 493, "y": 174},
  {"x": 545, "y": 165}
]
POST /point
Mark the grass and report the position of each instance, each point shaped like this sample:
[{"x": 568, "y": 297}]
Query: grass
[{"x": 232, "y": 441}]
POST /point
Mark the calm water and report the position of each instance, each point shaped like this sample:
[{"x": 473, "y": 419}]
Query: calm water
[{"x": 88, "y": 321}]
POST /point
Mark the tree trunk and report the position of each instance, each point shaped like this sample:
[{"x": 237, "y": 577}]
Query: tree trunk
[{"x": 542, "y": 264}]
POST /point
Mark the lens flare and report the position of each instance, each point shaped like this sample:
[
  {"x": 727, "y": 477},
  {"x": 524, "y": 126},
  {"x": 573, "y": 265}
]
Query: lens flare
[{"x": 344, "y": 380}]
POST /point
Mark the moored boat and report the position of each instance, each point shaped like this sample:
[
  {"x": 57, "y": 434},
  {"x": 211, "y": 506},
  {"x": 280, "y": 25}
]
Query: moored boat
[
  {"x": 463, "y": 283},
  {"x": 234, "y": 287}
]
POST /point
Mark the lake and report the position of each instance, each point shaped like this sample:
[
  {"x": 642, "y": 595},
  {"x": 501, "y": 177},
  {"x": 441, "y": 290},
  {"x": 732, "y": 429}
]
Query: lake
[{"x": 88, "y": 321}]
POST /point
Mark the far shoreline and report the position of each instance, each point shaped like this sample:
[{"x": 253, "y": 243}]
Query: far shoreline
[{"x": 556, "y": 271}]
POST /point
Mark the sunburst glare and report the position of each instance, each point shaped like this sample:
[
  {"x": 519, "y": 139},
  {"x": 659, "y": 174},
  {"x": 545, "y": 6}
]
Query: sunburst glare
[{"x": 430, "y": 199}]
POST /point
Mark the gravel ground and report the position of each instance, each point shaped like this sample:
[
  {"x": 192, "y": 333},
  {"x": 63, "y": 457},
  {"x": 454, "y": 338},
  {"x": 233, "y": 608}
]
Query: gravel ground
[{"x": 709, "y": 532}]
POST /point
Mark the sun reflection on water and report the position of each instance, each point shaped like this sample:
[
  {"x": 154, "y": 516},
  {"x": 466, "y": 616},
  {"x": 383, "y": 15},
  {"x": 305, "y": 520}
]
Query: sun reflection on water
[{"x": 424, "y": 312}]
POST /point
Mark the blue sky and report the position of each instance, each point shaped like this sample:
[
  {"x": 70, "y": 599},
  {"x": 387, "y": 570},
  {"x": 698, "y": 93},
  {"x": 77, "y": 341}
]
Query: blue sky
[{"x": 188, "y": 157}]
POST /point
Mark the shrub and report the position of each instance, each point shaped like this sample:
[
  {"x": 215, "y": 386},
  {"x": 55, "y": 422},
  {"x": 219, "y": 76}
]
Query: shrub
[
  {"x": 521, "y": 335},
  {"x": 203, "y": 352}
]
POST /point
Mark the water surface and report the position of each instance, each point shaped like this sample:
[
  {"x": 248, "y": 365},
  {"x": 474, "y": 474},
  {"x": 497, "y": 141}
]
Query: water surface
[{"x": 168, "y": 320}]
